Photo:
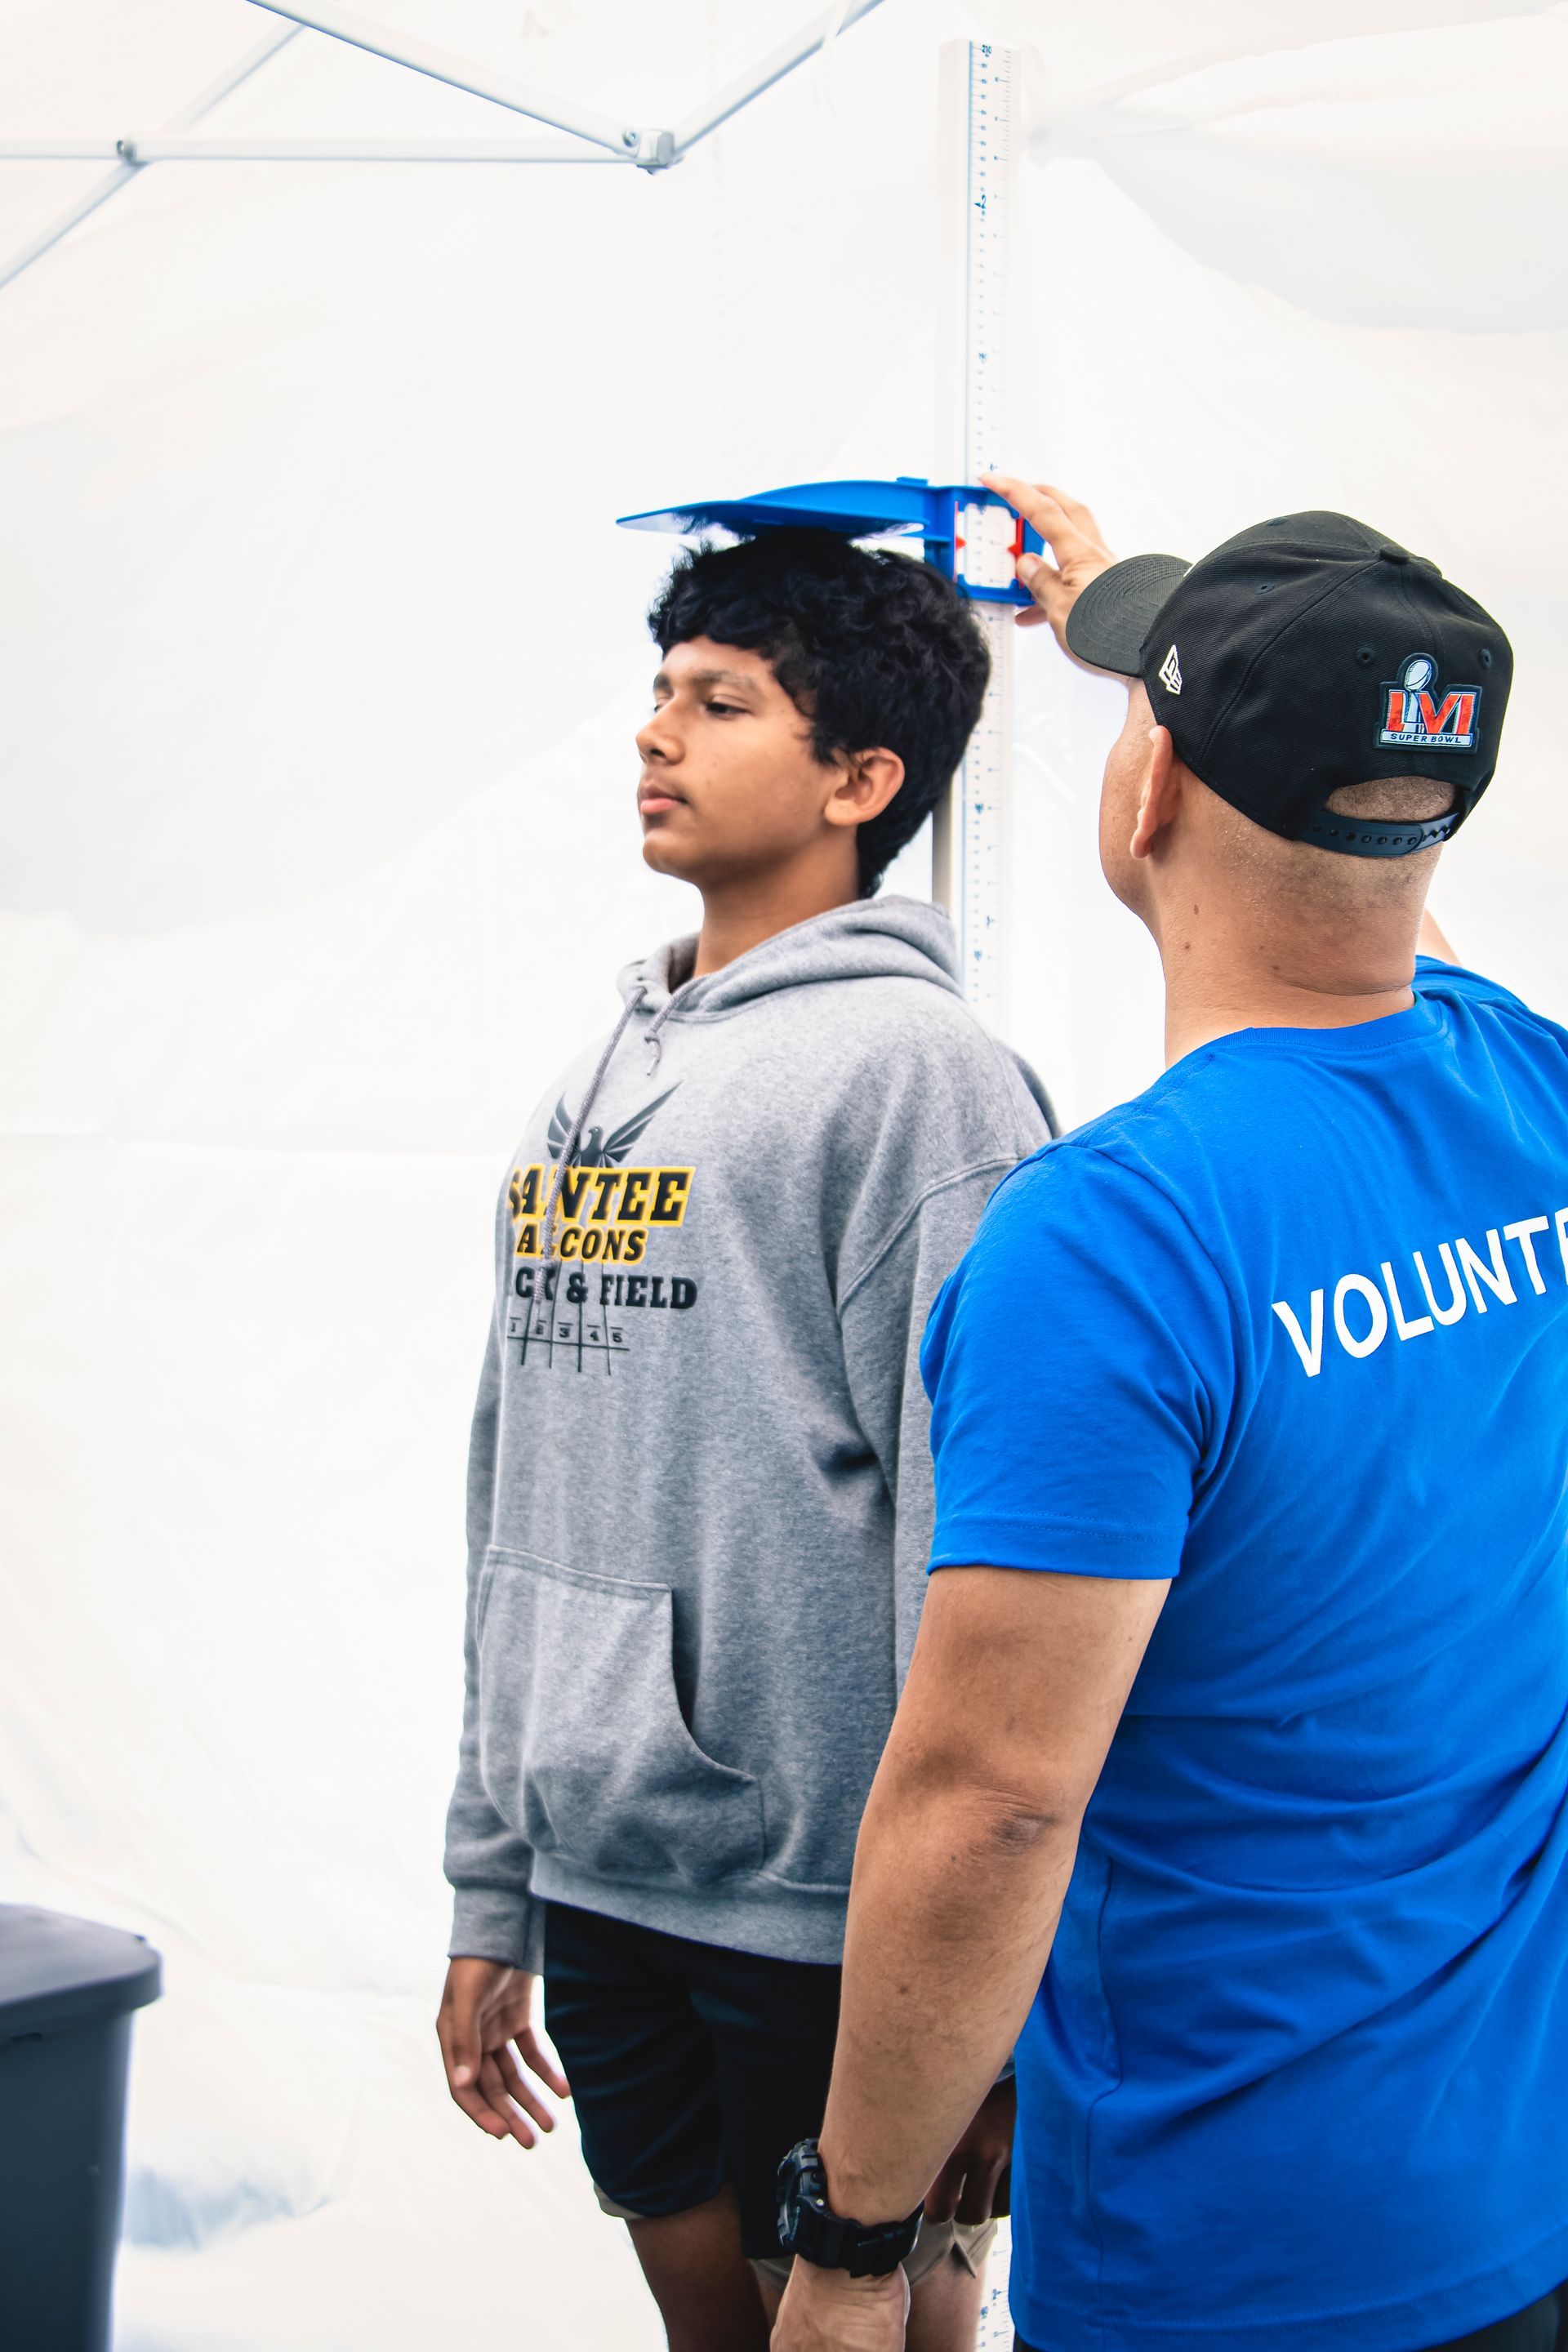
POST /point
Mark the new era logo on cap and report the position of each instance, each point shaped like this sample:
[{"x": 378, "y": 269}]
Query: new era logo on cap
[
  {"x": 1418, "y": 717},
  {"x": 1170, "y": 673}
]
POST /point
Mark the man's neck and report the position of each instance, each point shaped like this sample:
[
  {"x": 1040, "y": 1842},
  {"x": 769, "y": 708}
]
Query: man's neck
[
  {"x": 738, "y": 916},
  {"x": 1215, "y": 986}
]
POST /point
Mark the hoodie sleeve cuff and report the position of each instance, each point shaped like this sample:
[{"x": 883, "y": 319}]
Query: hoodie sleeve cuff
[{"x": 490, "y": 1922}]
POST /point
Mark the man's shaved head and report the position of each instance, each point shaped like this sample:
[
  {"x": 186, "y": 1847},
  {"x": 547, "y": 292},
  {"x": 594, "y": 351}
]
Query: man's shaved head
[
  {"x": 1335, "y": 888},
  {"x": 1197, "y": 871}
]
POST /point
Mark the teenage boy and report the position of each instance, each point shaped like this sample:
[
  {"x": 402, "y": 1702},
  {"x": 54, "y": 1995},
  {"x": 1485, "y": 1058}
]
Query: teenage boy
[
  {"x": 1244, "y": 1697},
  {"x": 700, "y": 1495}
]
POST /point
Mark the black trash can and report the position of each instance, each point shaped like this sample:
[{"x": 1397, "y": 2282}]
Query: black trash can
[{"x": 67, "y": 1990}]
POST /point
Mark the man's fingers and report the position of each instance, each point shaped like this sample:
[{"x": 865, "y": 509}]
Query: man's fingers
[
  {"x": 533, "y": 2053},
  {"x": 1040, "y": 579},
  {"x": 1074, "y": 509},
  {"x": 1074, "y": 538},
  {"x": 1045, "y": 498},
  {"x": 1070, "y": 533}
]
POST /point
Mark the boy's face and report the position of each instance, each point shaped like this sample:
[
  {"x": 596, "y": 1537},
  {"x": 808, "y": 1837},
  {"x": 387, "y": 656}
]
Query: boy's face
[{"x": 729, "y": 785}]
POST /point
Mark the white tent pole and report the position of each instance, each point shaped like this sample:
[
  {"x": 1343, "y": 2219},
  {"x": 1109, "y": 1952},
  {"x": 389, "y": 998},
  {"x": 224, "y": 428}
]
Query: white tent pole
[
  {"x": 652, "y": 150},
  {"x": 165, "y": 147},
  {"x": 227, "y": 83},
  {"x": 978, "y": 164},
  {"x": 442, "y": 65},
  {"x": 769, "y": 70},
  {"x": 126, "y": 169},
  {"x": 63, "y": 223}
]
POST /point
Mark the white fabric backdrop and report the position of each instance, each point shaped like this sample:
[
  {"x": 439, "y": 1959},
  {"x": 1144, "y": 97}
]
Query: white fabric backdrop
[{"x": 321, "y": 661}]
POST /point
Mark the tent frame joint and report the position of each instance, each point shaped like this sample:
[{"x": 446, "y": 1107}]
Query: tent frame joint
[{"x": 653, "y": 150}]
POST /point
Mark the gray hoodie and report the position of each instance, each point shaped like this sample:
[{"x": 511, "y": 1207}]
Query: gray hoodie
[{"x": 700, "y": 1493}]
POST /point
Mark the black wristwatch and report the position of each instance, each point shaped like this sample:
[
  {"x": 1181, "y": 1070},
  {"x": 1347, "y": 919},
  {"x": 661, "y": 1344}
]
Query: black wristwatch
[{"x": 808, "y": 2225}]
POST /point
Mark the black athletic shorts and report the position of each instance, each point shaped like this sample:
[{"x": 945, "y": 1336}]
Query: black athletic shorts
[
  {"x": 689, "y": 2065},
  {"x": 1542, "y": 2328}
]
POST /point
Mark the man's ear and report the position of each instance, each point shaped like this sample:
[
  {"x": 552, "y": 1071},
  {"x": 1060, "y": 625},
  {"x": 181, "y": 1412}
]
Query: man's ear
[
  {"x": 1160, "y": 797},
  {"x": 865, "y": 784}
]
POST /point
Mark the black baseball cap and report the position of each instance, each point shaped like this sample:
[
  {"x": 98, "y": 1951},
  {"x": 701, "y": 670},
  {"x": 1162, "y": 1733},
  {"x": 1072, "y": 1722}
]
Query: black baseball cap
[{"x": 1304, "y": 654}]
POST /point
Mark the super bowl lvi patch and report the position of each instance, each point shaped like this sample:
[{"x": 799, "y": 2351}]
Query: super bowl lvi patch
[{"x": 1415, "y": 719}]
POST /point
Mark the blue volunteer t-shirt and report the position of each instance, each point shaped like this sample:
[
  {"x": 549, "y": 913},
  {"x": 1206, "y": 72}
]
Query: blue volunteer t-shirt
[{"x": 1292, "y": 1330}]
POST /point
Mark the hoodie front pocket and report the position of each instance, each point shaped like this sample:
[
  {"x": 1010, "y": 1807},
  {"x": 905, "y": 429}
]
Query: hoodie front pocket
[{"x": 582, "y": 1745}]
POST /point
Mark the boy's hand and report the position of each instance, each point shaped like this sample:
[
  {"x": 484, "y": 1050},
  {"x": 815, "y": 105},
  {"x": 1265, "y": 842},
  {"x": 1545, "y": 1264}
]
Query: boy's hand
[
  {"x": 485, "y": 2029},
  {"x": 1077, "y": 544},
  {"x": 966, "y": 2188},
  {"x": 828, "y": 2311}
]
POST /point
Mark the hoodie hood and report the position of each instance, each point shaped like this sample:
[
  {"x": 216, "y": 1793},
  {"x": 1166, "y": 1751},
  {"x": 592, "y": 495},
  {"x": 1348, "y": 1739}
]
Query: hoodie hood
[{"x": 871, "y": 939}]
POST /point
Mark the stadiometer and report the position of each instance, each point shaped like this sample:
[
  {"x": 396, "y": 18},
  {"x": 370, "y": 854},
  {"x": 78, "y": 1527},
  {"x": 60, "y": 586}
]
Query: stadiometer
[{"x": 967, "y": 532}]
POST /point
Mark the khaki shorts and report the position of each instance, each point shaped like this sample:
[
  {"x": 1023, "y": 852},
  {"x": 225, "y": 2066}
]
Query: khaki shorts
[{"x": 969, "y": 2242}]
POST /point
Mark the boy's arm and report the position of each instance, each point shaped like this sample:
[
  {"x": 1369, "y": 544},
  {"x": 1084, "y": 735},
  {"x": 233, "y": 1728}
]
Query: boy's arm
[
  {"x": 485, "y": 2027},
  {"x": 488, "y": 1865}
]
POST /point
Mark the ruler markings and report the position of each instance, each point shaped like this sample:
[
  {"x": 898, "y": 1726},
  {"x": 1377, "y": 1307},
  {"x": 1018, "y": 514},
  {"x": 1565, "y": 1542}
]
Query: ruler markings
[{"x": 981, "y": 791}]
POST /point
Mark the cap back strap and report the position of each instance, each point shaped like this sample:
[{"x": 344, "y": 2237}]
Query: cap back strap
[{"x": 1378, "y": 836}]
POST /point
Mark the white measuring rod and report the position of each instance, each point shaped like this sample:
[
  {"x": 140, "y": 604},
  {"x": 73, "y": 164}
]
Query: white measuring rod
[{"x": 970, "y": 851}]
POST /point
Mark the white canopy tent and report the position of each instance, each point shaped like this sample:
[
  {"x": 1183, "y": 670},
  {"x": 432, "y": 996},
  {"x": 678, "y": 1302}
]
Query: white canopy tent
[{"x": 321, "y": 661}]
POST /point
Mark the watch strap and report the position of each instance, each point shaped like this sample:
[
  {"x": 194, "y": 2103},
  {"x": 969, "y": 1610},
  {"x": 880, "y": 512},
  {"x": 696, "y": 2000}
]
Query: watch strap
[{"x": 831, "y": 2241}]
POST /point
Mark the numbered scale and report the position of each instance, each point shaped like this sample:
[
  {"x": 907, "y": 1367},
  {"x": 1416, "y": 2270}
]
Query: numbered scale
[{"x": 970, "y": 851}]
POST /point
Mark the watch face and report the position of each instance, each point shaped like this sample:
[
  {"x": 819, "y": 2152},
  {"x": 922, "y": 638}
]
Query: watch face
[{"x": 791, "y": 2183}]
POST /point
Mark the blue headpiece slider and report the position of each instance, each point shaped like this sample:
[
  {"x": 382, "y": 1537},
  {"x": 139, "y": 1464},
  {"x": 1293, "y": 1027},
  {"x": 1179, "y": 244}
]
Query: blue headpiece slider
[{"x": 970, "y": 535}]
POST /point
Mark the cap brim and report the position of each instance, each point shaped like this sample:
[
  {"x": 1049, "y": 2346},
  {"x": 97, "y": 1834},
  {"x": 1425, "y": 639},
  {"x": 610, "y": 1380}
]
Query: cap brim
[{"x": 1113, "y": 616}]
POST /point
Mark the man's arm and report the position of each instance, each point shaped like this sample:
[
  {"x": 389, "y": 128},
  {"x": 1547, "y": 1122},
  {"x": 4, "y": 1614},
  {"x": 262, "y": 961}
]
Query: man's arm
[
  {"x": 1017, "y": 1684},
  {"x": 882, "y": 1319}
]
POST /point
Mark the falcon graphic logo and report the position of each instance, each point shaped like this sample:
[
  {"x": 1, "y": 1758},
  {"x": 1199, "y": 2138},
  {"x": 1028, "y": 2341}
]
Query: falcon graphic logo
[
  {"x": 606, "y": 1211},
  {"x": 595, "y": 1148}
]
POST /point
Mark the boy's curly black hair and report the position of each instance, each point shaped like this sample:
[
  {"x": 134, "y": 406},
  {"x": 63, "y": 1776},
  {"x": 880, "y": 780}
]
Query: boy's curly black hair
[{"x": 873, "y": 648}]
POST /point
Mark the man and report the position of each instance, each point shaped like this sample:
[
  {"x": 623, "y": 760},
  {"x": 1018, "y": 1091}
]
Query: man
[
  {"x": 699, "y": 1503},
  {"x": 1242, "y": 1691}
]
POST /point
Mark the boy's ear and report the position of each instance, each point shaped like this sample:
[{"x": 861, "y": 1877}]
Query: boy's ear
[{"x": 865, "y": 784}]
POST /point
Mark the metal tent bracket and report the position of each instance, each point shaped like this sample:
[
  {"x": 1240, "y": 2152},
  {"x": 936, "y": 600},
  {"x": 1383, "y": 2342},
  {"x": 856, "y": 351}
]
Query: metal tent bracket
[{"x": 603, "y": 138}]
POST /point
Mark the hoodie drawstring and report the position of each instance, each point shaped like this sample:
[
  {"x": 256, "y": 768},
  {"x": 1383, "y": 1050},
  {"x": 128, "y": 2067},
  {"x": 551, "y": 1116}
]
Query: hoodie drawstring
[
  {"x": 653, "y": 1041},
  {"x": 574, "y": 1137}
]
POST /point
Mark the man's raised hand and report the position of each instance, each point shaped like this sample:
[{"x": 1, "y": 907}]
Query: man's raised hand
[
  {"x": 1078, "y": 550},
  {"x": 486, "y": 2031}
]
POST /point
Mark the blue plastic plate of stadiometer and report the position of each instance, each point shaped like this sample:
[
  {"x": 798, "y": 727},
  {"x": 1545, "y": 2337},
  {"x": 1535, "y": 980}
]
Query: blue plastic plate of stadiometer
[{"x": 970, "y": 534}]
